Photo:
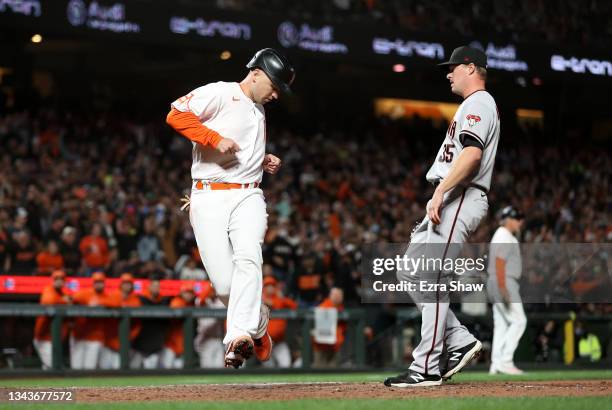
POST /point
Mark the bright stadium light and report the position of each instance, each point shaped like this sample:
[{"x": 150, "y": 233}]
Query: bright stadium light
[
  {"x": 225, "y": 55},
  {"x": 399, "y": 68},
  {"x": 36, "y": 38}
]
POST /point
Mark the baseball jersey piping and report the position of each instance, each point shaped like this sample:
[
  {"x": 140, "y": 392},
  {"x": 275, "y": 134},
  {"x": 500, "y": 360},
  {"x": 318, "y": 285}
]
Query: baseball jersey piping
[
  {"x": 473, "y": 135},
  {"x": 450, "y": 237},
  {"x": 472, "y": 93}
]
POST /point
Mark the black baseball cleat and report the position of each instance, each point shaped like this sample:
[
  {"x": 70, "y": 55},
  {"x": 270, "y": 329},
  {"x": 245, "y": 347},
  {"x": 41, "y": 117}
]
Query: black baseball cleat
[
  {"x": 458, "y": 359},
  {"x": 413, "y": 379}
]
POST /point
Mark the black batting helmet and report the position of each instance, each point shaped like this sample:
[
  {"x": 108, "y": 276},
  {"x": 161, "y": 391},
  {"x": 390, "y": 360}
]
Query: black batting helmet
[
  {"x": 511, "y": 212},
  {"x": 276, "y": 66}
]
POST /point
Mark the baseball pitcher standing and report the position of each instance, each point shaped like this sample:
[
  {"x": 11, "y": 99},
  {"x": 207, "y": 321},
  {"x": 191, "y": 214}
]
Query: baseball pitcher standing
[
  {"x": 226, "y": 123},
  {"x": 461, "y": 174}
]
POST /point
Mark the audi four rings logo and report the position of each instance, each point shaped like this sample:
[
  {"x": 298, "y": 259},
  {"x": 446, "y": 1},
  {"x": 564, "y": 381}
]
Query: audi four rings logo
[
  {"x": 77, "y": 12},
  {"x": 96, "y": 16},
  {"x": 288, "y": 34},
  {"x": 308, "y": 37},
  {"x": 502, "y": 57}
]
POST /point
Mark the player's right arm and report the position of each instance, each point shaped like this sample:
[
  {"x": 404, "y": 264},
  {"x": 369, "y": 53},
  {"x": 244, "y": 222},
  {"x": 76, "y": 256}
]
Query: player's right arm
[
  {"x": 465, "y": 165},
  {"x": 500, "y": 271},
  {"x": 188, "y": 113}
]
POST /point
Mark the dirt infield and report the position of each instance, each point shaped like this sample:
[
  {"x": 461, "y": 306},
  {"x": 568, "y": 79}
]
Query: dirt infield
[{"x": 294, "y": 391}]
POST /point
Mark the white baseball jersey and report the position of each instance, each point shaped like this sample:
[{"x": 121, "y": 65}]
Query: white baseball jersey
[
  {"x": 224, "y": 108},
  {"x": 478, "y": 117},
  {"x": 505, "y": 245}
]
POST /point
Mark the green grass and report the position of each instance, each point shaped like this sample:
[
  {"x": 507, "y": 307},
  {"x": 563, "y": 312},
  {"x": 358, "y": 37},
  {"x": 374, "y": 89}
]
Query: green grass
[
  {"x": 237, "y": 377},
  {"x": 536, "y": 403}
]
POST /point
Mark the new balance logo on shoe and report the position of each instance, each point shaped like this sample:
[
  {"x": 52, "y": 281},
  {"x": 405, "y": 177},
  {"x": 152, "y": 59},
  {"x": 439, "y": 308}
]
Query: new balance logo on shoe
[{"x": 455, "y": 356}]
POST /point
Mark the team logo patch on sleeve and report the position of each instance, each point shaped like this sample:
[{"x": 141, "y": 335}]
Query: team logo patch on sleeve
[{"x": 472, "y": 119}]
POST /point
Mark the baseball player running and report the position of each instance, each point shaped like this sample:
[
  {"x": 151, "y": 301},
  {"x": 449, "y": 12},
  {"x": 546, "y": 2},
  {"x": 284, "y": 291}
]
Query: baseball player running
[
  {"x": 461, "y": 174},
  {"x": 505, "y": 269},
  {"x": 226, "y": 124}
]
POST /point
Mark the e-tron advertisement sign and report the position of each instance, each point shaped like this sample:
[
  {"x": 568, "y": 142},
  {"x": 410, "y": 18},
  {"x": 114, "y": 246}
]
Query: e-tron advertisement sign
[{"x": 169, "y": 24}]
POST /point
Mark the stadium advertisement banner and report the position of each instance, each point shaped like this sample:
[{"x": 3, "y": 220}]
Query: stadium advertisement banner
[
  {"x": 179, "y": 25},
  {"x": 27, "y": 8},
  {"x": 96, "y": 15},
  {"x": 32, "y": 285},
  {"x": 311, "y": 37}
]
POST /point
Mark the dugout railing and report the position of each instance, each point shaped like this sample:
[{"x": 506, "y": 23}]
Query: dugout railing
[{"x": 355, "y": 319}]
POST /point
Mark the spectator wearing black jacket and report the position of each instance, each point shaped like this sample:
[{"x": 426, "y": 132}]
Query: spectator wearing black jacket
[{"x": 69, "y": 249}]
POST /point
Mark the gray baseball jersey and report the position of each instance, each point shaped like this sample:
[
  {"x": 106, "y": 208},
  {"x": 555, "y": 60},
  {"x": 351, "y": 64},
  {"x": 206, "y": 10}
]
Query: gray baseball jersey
[
  {"x": 505, "y": 245},
  {"x": 478, "y": 117},
  {"x": 464, "y": 208}
]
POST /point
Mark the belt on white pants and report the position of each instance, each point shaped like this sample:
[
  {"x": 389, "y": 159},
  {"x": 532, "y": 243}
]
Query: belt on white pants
[{"x": 220, "y": 186}]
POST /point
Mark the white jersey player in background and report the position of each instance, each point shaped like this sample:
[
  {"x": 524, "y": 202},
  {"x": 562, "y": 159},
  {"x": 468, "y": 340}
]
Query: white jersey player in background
[
  {"x": 226, "y": 123},
  {"x": 461, "y": 173},
  {"x": 505, "y": 268}
]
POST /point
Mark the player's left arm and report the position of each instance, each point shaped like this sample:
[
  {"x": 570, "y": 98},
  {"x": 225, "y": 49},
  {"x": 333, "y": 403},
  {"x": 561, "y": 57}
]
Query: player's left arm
[{"x": 271, "y": 163}]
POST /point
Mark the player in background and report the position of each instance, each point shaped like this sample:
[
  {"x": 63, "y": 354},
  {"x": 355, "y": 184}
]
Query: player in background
[
  {"x": 209, "y": 338},
  {"x": 226, "y": 123},
  {"x": 150, "y": 341},
  {"x": 328, "y": 355},
  {"x": 272, "y": 297},
  {"x": 122, "y": 297},
  {"x": 505, "y": 268},
  {"x": 53, "y": 294},
  {"x": 88, "y": 333},
  {"x": 461, "y": 174},
  {"x": 172, "y": 353}
]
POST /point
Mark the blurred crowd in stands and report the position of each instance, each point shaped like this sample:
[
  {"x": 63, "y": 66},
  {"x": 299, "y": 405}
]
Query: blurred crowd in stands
[
  {"x": 102, "y": 194},
  {"x": 87, "y": 195},
  {"x": 577, "y": 22}
]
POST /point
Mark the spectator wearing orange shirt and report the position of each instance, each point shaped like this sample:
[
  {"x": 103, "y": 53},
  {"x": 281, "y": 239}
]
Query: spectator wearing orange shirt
[
  {"x": 51, "y": 295},
  {"x": 88, "y": 332},
  {"x": 49, "y": 260},
  {"x": 328, "y": 355},
  {"x": 281, "y": 354},
  {"x": 94, "y": 249},
  {"x": 171, "y": 357},
  {"x": 123, "y": 297}
]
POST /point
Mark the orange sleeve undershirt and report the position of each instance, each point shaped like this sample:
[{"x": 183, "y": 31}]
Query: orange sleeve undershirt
[
  {"x": 188, "y": 125},
  {"x": 500, "y": 269}
]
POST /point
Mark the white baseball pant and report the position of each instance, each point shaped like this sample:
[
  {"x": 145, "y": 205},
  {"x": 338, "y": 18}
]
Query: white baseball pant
[
  {"x": 211, "y": 353},
  {"x": 281, "y": 356},
  {"x": 85, "y": 354},
  {"x": 509, "y": 322},
  {"x": 229, "y": 227},
  {"x": 169, "y": 360},
  {"x": 109, "y": 359},
  {"x": 139, "y": 361},
  {"x": 44, "y": 349}
]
